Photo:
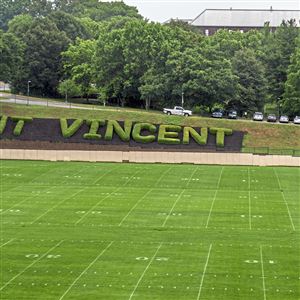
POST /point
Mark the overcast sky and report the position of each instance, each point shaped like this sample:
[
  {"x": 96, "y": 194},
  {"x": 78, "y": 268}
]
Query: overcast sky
[{"x": 162, "y": 10}]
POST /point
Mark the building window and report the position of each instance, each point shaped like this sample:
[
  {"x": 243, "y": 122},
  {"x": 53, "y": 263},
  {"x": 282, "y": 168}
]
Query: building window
[{"x": 206, "y": 32}]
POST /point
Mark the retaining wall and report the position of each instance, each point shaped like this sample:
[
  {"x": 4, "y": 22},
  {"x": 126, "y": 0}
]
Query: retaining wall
[{"x": 152, "y": 157}]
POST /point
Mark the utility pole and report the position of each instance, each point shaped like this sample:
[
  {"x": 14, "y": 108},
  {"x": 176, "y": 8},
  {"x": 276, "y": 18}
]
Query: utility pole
[
  {"x": 28, "y": 91},
  {"x": 182, "y": 98}
]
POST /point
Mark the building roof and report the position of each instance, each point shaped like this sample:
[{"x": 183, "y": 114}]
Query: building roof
[{"x": 244, "y": 17}]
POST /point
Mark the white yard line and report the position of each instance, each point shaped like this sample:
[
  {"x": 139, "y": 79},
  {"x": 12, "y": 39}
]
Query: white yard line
[
  {"x": 249, "y": 179},
  {"x": 94, "y": 206},
  {"x": 288, "y": 210},
  {"x": 59, "y": 203},
  {"x": 169, "y": 214},
  {"x": 211, "y": 208},
  {"x": 191, "y": 176},
  {"x": 250, "y": 223},
  {"x": 21, "y": 202},
  {"x": 284, "y": 199},
  {"x": 143, "y": 274},
  {"x": 29, "y": 266},
  {"x": 263, "y": 272},
  {"x": 215, "y": 196},
  {"x": 6, "y": 243},
  {"x": 131, "y": 177},
  {"x": 136, "y": 204},
  {"x": 204, "y": 271},
  {"x": 105, "y": 173},
  {"x": 85, "y": 270},
  {"x": 162, "y": 175},
  {"x": 220, "y": 177}
]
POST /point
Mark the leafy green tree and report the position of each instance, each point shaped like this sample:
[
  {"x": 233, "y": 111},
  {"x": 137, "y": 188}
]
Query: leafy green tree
[
  {"x": 279, "y": 46},
  {"x": 42, "y": 59},
  {"x": 69, "y": 89},
  {"x": 20, "y": 24},
  {"x": 78, "y": 65},
  {"x": 11, "y": 52},
  {"x": 70, "y": 25},
  {"x": 291, "y": 99},
  {"x": 96, "y": 10},
  {"x": 252, "y": 86}
]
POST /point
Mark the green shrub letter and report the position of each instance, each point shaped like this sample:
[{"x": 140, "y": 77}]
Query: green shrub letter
[
  {"x": 220, "y": 133},
  {"x": 114, "y": 126},
  {"x": 136, "y": 132},
  {"x": 93, "y": 133},
  {"x": 68, "y": 131},
  {"x": 201, "y": 139},
  {"x": 168, "y": 134}
]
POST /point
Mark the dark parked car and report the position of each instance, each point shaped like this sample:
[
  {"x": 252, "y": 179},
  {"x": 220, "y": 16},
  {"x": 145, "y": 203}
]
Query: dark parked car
[
  {"x": 272, "y": 118},
  {"x": 284, "y": 119},
  {"x": 232, "y": 114},
  {"x": 217, "y": 114}
]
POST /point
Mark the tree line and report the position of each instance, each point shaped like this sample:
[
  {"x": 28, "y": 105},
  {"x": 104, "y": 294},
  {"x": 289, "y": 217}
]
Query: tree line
[{"x": 109, "y": 52}]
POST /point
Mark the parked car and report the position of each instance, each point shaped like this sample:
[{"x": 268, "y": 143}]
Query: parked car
[
  {"x": 258, "y": 116},
  {"x": 177, "y": 110},
  {"x": 217, "y": 114},
  {"x": 297, "y": 120},
  {"x": 284, "y": 119},
  {"x": 232, "y": 114},
  {"x": 272, "y": 118}
]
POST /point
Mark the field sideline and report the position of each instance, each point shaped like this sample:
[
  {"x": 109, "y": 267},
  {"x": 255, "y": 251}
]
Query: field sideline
[{"x": 143, "y": 231}]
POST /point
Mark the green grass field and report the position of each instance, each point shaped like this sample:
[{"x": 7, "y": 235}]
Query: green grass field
[{"x": 142, "y": 231}]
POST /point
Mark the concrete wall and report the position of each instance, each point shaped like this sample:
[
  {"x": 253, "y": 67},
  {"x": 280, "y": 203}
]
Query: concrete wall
[{"x": 152, "y": 157}]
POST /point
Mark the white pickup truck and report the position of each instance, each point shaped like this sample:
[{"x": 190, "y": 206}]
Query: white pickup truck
[{"x": 177, "y": 110}]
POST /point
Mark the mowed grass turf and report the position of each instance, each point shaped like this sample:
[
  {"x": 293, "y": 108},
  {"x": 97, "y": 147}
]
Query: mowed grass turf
[{"x": 143, "y": 231}]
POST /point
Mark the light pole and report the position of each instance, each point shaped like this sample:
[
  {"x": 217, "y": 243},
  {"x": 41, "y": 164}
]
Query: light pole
[
  {"x": 182, "y": 98},
  {"x": 28, "y": 90}
]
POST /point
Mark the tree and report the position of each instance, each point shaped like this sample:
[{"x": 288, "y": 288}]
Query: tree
[
  {"x": 70, "y": 25},
  {"x": 78, "y": 65},
  {"x": 42, "y": 59},
  {"x": 20, "y": 24},
  {"x": 279, "y": 46},
  {"x": 252, "y": 86},
  {"x": 291, "y": 99},
  {"x": 68, "y": 88},
  {"x": 11, "y": 52}
]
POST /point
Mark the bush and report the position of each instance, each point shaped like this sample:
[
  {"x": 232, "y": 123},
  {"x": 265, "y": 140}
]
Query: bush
[
  {"x": 136, "y": 132},
  {"x": 114, "y": 126},
  {"x": 201, "y": 138},
  {"x": 94, "y": 127},
  {"x": 3, "y": 123},
  {"x": 168, "y": 134},
  {"x": 20, "y": 124},
  {"x": 220, "y": 132},
  {"x": 68, "y": 131}
]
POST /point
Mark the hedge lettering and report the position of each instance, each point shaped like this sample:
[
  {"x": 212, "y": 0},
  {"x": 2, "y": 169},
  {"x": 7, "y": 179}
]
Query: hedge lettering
[
  {"x": 136, "y": 132},
  {"x": 3, "y": 123},
  {"x": 114, "y": 127},
  {"x": 94, "y": 127},
  {"x": 68, "y": 131},
  {"x": 168, "y": 134},
  {"x": 201, "y": 138},
  {"x": 220, "y": 133},
  {"x": 20, "y": 124}
]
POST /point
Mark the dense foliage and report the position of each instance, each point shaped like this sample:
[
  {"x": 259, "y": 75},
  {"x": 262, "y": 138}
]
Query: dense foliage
[{"x": 107, "y": 51}]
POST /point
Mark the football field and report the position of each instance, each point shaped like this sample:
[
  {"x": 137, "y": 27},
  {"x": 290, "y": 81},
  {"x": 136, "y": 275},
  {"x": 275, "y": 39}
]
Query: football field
[{"x": 73, "y": 230}]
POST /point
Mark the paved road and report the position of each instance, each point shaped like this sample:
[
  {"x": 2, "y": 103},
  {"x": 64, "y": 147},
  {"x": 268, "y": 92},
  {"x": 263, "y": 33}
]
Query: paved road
[{"x": 46, "y": 103}]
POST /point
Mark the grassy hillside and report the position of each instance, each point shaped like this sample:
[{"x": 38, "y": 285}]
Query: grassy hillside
[{"x": 277, "y": 136}]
